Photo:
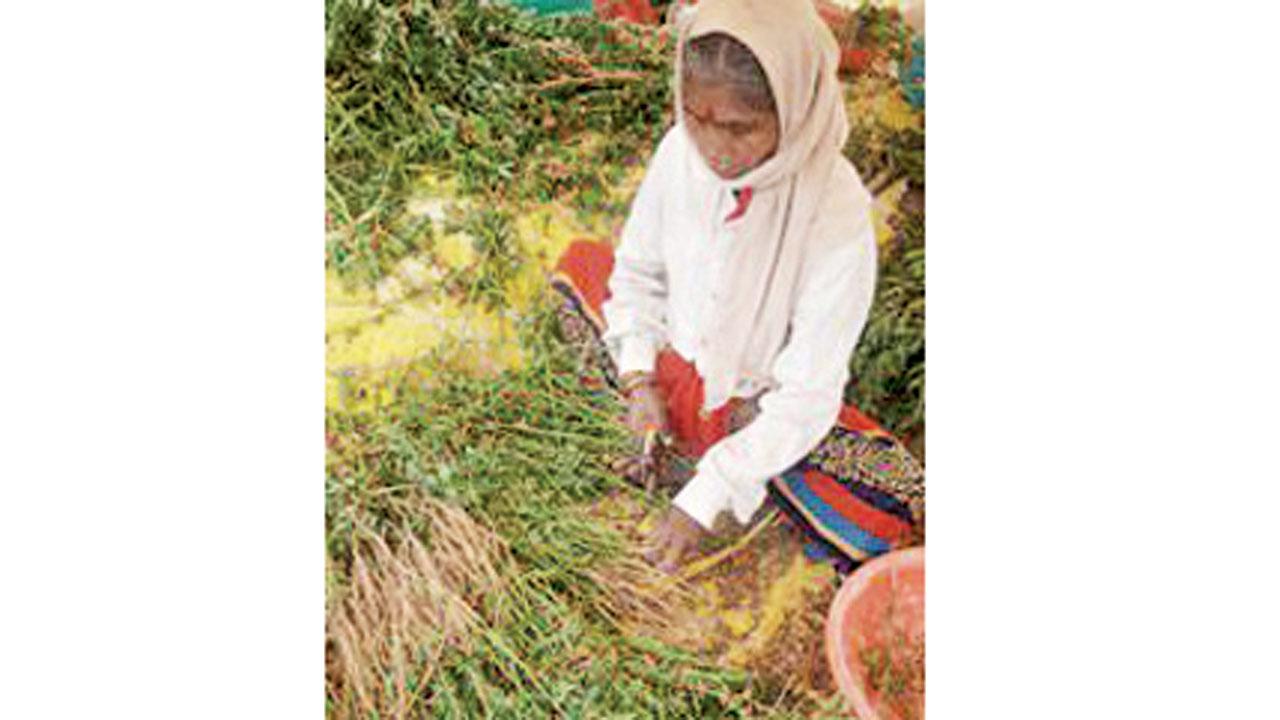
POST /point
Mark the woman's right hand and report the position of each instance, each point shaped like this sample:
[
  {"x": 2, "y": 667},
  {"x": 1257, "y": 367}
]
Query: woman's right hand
[
  {"x": 646, "y": 408},
  {"x": 646, "y": 418}
]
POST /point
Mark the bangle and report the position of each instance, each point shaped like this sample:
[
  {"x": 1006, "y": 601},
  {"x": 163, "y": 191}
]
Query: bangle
[{"x": 633, "y": 380}]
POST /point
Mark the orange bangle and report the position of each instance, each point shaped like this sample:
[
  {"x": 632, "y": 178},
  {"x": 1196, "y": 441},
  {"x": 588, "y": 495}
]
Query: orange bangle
[{"x": 634, "y": 380}]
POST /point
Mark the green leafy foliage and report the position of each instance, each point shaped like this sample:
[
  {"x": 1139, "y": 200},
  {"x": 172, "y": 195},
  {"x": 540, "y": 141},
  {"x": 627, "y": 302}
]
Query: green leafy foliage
[
  {"x": 888, "y": 364},
  {"x": 498, "y": 258},
  {"x": 521, "y": 454},
  {"x": 518, "y": 109},
  {"x": 503, "y": 101}
]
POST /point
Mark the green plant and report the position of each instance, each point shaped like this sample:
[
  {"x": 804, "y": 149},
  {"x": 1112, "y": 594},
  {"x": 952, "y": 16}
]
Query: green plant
[
  {"x": 888, "y": 366},
  {"x": 504, "y": 102},
  {"x": 498, "y": 258},
  {"x": 466, "y": 576}
]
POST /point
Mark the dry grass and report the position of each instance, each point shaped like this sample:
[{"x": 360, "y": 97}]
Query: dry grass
[
  {"x": 636, "y": 597},
  {"x": 406, "y": 602}
]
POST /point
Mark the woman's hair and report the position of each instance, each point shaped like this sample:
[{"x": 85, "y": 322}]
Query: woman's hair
[{"x": 720, "y": 59}]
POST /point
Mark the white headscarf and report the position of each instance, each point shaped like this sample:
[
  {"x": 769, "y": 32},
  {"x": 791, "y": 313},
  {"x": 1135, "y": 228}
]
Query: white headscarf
[{"x": 799, "y": 56}]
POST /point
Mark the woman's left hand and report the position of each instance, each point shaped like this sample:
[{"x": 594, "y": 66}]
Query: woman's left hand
[{"x": 676, "y": 537}]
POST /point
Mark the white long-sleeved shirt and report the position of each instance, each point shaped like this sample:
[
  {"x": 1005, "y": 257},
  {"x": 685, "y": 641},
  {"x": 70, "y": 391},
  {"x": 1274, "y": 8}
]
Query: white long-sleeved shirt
[{"x": 666, "y": 277}]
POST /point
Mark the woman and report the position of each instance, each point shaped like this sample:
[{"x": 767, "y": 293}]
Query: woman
[{"x": 743, "y": 279}]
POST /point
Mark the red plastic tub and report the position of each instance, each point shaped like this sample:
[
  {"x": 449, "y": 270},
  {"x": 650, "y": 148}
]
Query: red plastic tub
[{"x": 875, "y": 637}]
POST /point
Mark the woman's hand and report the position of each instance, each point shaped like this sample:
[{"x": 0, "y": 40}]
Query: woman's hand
[
  {"x": 646, "y": 408},
  {"x": 675, "y": 538},
  {"x": 646, "y": 418}
]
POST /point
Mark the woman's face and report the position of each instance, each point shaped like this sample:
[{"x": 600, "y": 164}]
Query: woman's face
[{"x": 731, "y": 136}]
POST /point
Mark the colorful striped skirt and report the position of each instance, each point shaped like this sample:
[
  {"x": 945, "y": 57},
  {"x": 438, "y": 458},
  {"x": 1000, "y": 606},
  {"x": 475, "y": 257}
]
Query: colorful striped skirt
[{"x": 858, "y": 494}]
